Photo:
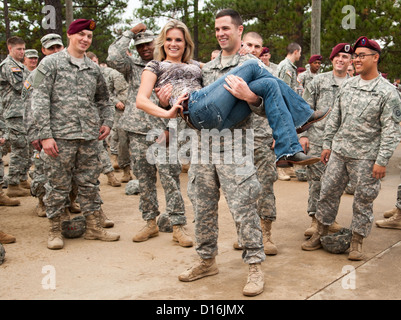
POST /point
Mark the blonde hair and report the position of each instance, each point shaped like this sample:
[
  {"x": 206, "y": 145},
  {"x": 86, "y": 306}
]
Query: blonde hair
[{"x": 160, "y": 54}]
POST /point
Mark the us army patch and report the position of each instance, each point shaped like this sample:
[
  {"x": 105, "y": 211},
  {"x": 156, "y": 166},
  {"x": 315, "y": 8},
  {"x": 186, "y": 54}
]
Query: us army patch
[
  {"x": 397, "y": 114},
  {"x": 289, "y": 74}
]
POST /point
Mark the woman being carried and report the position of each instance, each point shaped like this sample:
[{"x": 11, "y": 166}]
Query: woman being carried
[{"x": 214, "y": 107}]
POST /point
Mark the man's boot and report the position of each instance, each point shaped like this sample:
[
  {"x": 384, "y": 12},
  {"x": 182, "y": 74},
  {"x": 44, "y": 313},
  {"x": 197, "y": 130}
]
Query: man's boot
[
  {"x": 256, "y": 281},
  {"x": 180, "y": 236},
  {"x": 127, "y": 174},
  {"x": 74, "y": 207},
  {"x": 390, "y": 213},
  {"x": 25, "y": 185},
  {"x": 282, "y": 175},
  {"x": 104, "y": 221},
  {"x": 114, "y": 161},
  {"x": 201, "y": 269},
  {"x": 269, "y": 247},
  {"x": 6, "y": 201},
  {"x": 40, "y": 209},
  {"x": 6, "y": 238},
  {"x": 55, "y": 239},
  {"x": 314, "y": 242},
  {"x": 355, "y": 251},
  {"x": 335, "y": 227},
  {"x": 94, "y": 231},
  {"x": 312, "y": 228},
  {"x": 112, "y": 180},
  {"x": 394, "y": 222},
  {"x": 149, "y": 231},
  {"x": 17, "y": 191}
]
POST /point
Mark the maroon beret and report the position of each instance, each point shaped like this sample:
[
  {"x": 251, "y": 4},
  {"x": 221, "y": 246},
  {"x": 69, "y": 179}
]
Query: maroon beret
[
  {"x": 315, "y": 57},
  {"x": 264, "y": 50},
  {"x": 81, "y": 24},
  {"x": 341, "y": 47},
  {"x": 301, "y": 69},
  {"x": 365, "y": 42}
]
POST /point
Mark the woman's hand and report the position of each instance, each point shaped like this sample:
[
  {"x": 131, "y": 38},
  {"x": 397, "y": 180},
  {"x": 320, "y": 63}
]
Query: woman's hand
[
  {"x": 164, "y": 94},
  {"x": 177, "y": 107}
]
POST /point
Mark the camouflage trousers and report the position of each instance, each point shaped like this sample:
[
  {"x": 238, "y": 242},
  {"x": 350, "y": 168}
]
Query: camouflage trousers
[
  {"x": 20, "y": 155},
  {"x": 314, "y": 175},
  {"x": 241, "y": 193},
  {"x": 338, "y": 172},
  {"x": 119, "y": 142},
  {"x": 1, "y": 169},
  {"x": 267, "y": 174},
  {"x": 38, "y": 176},
  {"x": 398, "y": 204},
  {"x": 146, "y": 174},
  {"x": 78, "y": 160},
  {"x": 107, "y": 167}
]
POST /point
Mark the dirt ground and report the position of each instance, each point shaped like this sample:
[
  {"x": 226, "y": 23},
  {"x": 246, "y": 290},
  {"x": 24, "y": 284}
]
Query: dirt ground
[{"x": 125, "y": 270}]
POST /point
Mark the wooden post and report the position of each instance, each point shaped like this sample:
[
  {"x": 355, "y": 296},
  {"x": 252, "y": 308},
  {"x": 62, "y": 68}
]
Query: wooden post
[{"x": 316, "y": 25}]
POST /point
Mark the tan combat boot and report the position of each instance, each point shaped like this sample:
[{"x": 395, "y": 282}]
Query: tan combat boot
[
  {"x": 203, "y": 268},
  {"x": 40, "y": 209},
  {"x": 180, "y": 236},
  {"x": 127, "y": 174},
  {"x": 149, "y": 231},
  {"x": 17, "y": 191},
  {"x": 355, "y": 251},
  {"x": 237, "y": 246},
  {"x": 112, "y": 180},
  {"x": 390, "y": 213},
  {"x": 282, "y": 175},
  {"x": 25, "y": 185},
  {"x": 269, "y": 247},
  {"x": 314, "y": 242},
  {"x": 312, "y": 228},
  {"x": 335, "y": 227},
  {"x": 74, "y": 207},
  {"x": 104, "y": 221},
  {"x": 256, "y": 281},
  {"x": 114, "y": 161},
  {"x": 6, "y": 201},
  {"x": 94, "y": 230},
  {"x": 394, "y": 222},
  {"x": 55, "y": 239},
  {"x": 6, "y": 238}
]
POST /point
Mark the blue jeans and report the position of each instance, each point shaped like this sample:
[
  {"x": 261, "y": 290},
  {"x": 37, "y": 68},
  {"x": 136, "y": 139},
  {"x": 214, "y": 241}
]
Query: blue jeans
[{"x": 213, "y": 107}]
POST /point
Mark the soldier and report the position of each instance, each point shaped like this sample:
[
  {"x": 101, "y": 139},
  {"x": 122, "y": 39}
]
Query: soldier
[
  {"x": 12, "y": 75},
  {"x": 360, "y": 137},
  {"x": 264, "y": 160},
  {"x": 392, "y": 218},
  {"x": 265, "y": 56},
  {"x": 72, "y": 113},
  {"x": 137, "y": 124},
  {"x": 107, "y": 167},
  {"x": 287, "y": 69},
  {"x": 205, "y": 180},
  {"x": 315, "y": 62},
  {"x": 31, "y": 59},
  {"x": 321, "y": 92}
]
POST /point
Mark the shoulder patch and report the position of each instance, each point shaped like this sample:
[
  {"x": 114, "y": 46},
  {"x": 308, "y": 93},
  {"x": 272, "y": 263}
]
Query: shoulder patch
[
  {"x": 288, "y": 73},
  {"x": 397, "y": 114}
]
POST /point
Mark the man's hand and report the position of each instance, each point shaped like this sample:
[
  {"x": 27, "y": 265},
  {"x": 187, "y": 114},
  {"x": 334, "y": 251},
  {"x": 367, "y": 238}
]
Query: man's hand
[
  {"x": 140, "y": 27},
  {"x": 304, "y": 142},
  {"x": 240, "y": 89},
  {"x": 164, "y": 94},
  {"x": 104, "y": 132},
  {"x": 37, "y": 145},
  {"x": 379, "y": 172},
  {"x": 120, "y": 106},
  {"x": 2, "y": 141},
  {"x": 50, "y": 147},
  {"x": 325, "y": 156}
]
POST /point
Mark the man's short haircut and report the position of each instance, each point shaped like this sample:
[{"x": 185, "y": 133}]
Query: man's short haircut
[
  {"x": 13, "y": 41},
  {"x": 292, "y": 47},
  {"x": 253, "y": 34},
  {"x": 91, "y": 55},
  {"x": 235, "y": 16}
]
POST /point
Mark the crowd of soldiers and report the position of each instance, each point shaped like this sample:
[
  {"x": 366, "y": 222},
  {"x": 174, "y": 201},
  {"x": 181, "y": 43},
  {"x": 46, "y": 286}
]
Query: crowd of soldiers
[{"x": 57, "y": 115}]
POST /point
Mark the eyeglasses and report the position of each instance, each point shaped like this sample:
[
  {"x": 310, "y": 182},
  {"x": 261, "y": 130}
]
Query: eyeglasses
[{"x": 362, "y": 55}]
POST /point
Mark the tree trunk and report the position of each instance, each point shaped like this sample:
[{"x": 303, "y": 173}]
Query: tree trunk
[
  {"x": 316, "y": 23},
  {"x": 196, "y": 29},
  {"x": 6, "y": 19}
]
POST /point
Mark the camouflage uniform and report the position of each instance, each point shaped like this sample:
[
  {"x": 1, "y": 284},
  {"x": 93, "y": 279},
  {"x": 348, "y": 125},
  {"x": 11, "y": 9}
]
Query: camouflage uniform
[
  {"x": 306, "y": 77},
  {"x": 118, "y": 90},
  {"x": 12, "y": 75},
  {"x": 72, "y": 115},
  {"x": 240, "y": 190},
  {"x": 138, "y": 123},
  {"x": 287, "y": 71},
  {"x": 273, "y": 68},
  {"x": 320, "y": 93},
  {"x": 362, "y": 130}
]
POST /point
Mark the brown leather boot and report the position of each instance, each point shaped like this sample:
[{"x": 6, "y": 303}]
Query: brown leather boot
[
  {"x": 55, "y": 239},
  {"x": 201, "y": 269},
  {"x": 355, "y": 251},
  {"x": 149, "y": 231},
  {"x": 94, "y": 231},
  {"x": 180, "y": 236},
  {"x": 40, "y": 209},
  {"x": 112, "y": 180},
  {"x": 6, "y": 201},
  {"x": 256, "y": 281},
  {"x": 314, "y": 242},
  {"x": 17, "y": 191},
  {"x": 6, "y": 238},
  {"x": 104, "y": 221}
]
